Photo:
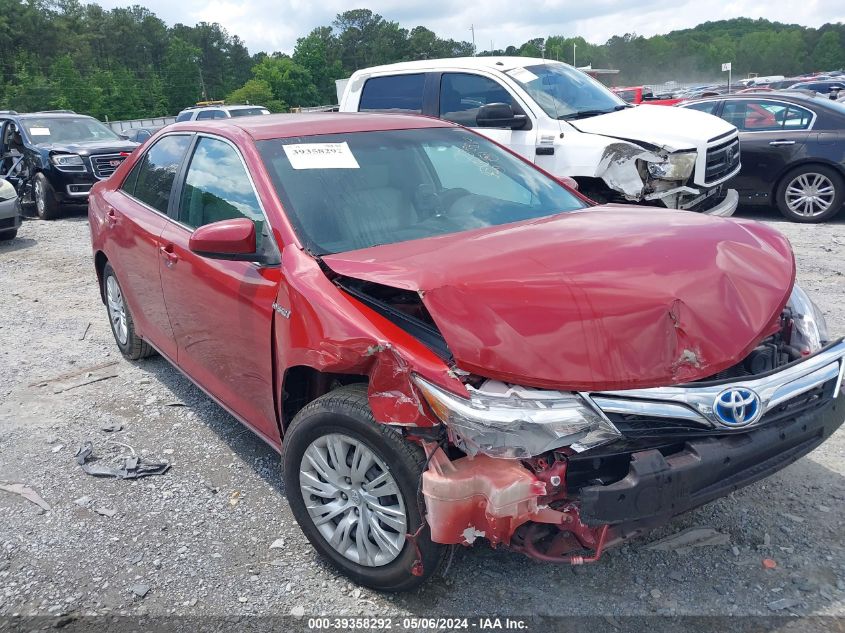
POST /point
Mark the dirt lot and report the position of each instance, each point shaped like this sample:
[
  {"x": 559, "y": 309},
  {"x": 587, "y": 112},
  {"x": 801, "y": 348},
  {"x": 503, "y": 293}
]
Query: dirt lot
[{"x": 214, "y": 535}]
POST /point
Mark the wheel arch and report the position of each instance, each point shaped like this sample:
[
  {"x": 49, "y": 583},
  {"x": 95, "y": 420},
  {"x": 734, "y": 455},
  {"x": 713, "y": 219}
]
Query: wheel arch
[
  {"x": 302, "y": 384},
  {"x": 100, "y": 261}
]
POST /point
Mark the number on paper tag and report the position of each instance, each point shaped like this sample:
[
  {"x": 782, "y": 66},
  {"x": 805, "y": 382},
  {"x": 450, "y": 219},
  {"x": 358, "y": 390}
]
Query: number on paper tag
[{"x": 320, "y": 156}]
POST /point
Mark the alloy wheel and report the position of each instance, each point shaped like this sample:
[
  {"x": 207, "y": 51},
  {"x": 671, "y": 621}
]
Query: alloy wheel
[
  {"x": 117, "y": 310},
  {"x": 353, "y": 500},
  {"x": 40, "y": 202},
  {"x": 810, "y": 194}
]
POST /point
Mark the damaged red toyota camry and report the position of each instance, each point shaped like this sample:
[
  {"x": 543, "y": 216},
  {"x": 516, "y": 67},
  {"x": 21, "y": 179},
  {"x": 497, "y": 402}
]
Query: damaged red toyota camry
[{"x": 449, "y": 346}]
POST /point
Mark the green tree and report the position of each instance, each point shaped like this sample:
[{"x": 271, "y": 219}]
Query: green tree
[
  {"x": 257, "y": 92},
  {"x": 828, "y": 53},
  {"x": 181, "y": 74},
  {"x": 290, "y": 82}
]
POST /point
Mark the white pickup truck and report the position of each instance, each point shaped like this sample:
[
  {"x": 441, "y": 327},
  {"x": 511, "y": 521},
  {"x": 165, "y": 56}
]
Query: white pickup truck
[{"x": 569, "y": 124}]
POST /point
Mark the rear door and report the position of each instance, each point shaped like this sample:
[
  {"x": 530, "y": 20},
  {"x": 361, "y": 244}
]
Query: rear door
[
  {"x": 222, "y": 311},
  {"x": 772, "y": 135},
  {"x": 134, "y": 216}
]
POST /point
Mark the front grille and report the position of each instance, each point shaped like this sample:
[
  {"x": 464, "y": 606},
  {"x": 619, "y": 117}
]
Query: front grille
[
  {"x": 105, "y": 164},
  {"x": 722, "y": 159},
  {"x": 643, "y": 426}
]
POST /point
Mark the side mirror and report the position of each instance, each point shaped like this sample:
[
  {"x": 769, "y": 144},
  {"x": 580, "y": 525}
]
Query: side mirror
[
  {"x": 500, "y": 115},
  {"x": 568, "y": 182},
  {"x": 232, "y": 240}
]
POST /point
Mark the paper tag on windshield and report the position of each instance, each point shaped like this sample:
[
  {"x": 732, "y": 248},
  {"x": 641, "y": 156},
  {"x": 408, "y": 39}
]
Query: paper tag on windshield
[
  {"x": 320, "y": 156},
  {"x": 39, "y": 131},
  {"x": 522, "y": 74}
]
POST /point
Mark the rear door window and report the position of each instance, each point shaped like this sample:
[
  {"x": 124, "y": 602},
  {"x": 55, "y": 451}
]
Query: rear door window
[
  {"x": 151, "y": 180},
  {"x": 399, "y": 93}
]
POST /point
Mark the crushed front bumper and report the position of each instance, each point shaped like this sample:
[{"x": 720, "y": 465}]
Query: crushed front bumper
[
  {"x": 802, "y": 405},
  {"x": 659, "y": 486}
]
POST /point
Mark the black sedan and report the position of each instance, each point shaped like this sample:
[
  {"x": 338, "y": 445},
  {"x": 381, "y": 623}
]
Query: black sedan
[{"x": 792, "y": 147}]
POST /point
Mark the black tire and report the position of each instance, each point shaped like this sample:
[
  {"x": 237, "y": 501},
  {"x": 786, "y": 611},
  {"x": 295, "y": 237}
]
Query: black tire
[
  {"x": 46, "y": 203},
  {"x": 346, "y": 411},
  {"x": 8, "y": 235},
  {"x": 134, "y": 347},
  {"x": 810, "y": 172}
]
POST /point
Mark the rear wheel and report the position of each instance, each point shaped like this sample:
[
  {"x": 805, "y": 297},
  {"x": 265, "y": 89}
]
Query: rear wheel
[
  {"x": 46, "y": 204},
  {"x": 131, "y": 345},
  {"x": 813, "y": 193},
  {"x": 352, "y": 485}
]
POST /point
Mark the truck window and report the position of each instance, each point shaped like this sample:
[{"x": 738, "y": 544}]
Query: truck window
[
  {"x": 399, "y": 93},
  {"x": 462, "y": 94}
]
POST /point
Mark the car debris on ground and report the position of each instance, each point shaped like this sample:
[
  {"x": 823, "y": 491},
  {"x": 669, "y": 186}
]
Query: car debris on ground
[{"x": 131, "y": 467}]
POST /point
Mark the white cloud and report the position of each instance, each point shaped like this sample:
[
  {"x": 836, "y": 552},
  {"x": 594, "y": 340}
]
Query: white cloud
[{"x": 275, "y": 24}]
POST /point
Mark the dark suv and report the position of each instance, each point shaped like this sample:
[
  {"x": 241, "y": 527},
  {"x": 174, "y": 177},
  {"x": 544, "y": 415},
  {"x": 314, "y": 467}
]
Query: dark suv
[{"x": 53, "y": 158}]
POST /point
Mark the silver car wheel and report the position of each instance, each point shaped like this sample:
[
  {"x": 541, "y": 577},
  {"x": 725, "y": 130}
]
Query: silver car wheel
[
  {"x": 810, "y": 194},
  {"x": 40, "y": 203},
  {"x": 117, "y": 310},
  {"x": 353, "y": 500}
]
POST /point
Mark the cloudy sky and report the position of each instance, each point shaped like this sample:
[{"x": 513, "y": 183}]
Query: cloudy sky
[{"x": 271, "y": 25}]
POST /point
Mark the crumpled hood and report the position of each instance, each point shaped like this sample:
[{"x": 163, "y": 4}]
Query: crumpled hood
[
  {"x": 613, "y": 297},
  {"x": 665, "y": 126}
]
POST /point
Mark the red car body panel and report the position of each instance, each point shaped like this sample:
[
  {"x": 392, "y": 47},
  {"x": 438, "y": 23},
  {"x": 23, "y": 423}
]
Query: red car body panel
[{"x": 594, "y": 300}]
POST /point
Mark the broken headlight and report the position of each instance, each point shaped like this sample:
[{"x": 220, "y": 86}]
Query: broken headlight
[
  {"x": 809, "y": 329},
  {"x": 503, "y": 420},
  {"x": 677, "y": 166}
]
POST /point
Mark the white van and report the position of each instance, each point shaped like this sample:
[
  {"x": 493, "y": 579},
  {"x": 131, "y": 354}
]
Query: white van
[{"x": 569, "y": 124}]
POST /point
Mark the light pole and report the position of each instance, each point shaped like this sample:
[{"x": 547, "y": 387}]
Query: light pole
[
  {"x": 574, "y": 45},
  {"x": 472, "y": 28}
]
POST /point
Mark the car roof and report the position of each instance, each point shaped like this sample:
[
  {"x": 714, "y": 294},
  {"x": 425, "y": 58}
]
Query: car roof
[
  {"x": 269, "y": 126},
  {"x": 501, "y": 64},
  {"x": 52, "y": 115},
  {"x": 794, "y": 95}
]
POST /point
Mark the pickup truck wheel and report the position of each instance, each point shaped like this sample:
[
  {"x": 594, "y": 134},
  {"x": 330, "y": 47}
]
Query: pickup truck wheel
[
  {"x": 8, "y": 235},
  {"x": 352, "y": 484},
  {"x": 813, "y": 193},
  {"x": 131, "y": 345},
  {"x": 46, "y": 204}
]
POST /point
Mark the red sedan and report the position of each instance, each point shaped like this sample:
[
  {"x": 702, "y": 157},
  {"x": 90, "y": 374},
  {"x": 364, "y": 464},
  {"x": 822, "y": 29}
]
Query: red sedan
[{"x": 448, "y": 344}]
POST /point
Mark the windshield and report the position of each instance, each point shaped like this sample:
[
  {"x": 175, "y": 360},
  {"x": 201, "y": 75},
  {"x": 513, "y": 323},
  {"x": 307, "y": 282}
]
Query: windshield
[
  {"x": 47, "y": 130},
  {"x": 248, "y": 111},
  {"x": 344, "y": 192},
  {"x": 565, "y": 92}
]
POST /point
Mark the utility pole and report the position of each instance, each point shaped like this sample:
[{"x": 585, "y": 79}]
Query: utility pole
[
  {"x": 472, "y": 28},
  {"x": 573, "y": 53}
]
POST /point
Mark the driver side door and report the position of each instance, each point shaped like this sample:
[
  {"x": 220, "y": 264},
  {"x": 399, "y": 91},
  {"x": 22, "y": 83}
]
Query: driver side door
[{"x": 462, "y": 95}]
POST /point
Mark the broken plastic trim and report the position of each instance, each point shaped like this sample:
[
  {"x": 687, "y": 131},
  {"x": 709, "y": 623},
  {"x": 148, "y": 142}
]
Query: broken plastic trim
[
  {"x": 427, "y": 334},
  {"x": 512, "y": 422}
]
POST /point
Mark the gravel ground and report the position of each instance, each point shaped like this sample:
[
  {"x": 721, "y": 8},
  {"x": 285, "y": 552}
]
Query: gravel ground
[{"x": 214, "y": 535}]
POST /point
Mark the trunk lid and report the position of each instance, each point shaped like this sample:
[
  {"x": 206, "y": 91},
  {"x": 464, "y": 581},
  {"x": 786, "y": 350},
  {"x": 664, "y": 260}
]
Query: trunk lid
[{"x": 612, "y": 297}]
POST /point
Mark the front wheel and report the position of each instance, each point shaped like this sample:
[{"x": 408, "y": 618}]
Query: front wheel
[
  {"x": 46, "y": 204},
  {"x": 813, "y": 193},
  {"x": 352, "y": 485}
]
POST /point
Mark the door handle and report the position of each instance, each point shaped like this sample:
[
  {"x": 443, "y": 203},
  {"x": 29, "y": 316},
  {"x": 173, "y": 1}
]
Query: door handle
[
  {"x": 170, "y": 257},
  {"x": 781, "y": 143},
  {"x": 111, "y": 217}
]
